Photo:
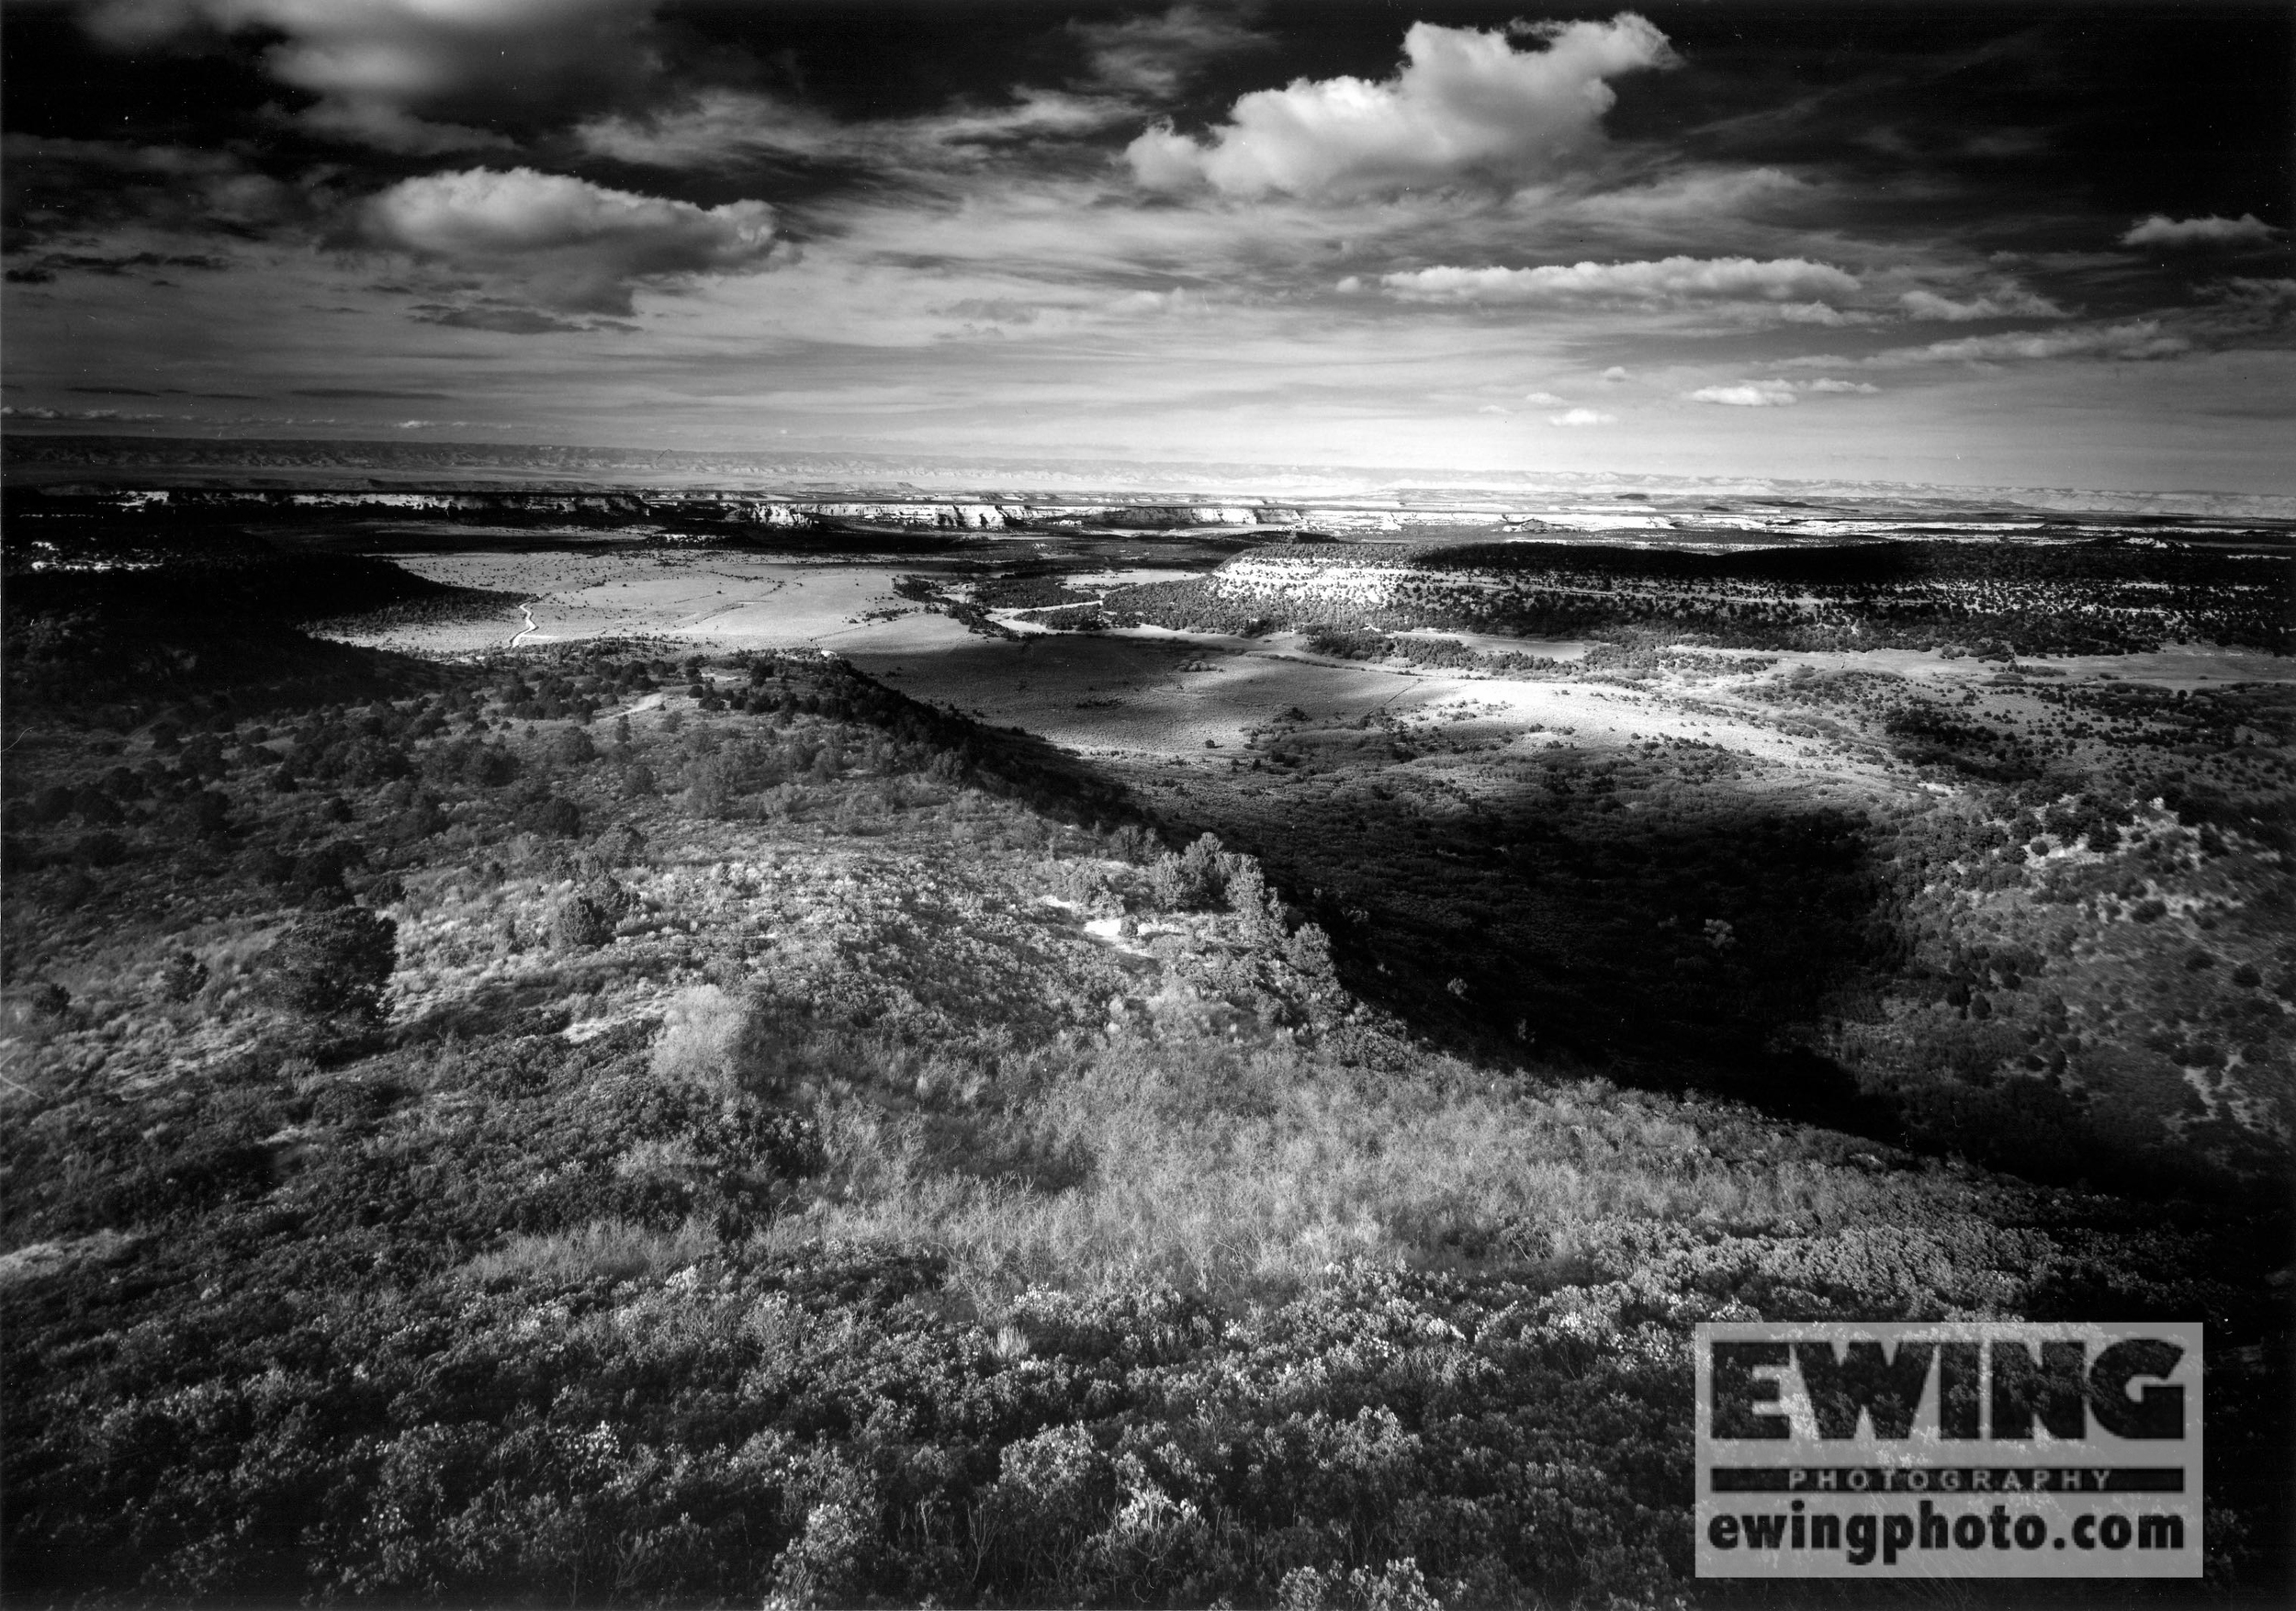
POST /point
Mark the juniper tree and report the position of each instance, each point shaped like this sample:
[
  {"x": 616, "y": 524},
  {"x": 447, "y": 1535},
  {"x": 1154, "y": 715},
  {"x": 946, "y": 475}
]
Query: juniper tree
[{"x": 334, "y": 966}]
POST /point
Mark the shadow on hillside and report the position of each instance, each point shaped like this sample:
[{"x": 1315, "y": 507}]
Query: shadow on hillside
[{"x": 1674, "y": 949}]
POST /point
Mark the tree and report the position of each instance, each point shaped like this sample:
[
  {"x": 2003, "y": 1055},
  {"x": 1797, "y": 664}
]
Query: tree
[{"x": 334, "y": 966}]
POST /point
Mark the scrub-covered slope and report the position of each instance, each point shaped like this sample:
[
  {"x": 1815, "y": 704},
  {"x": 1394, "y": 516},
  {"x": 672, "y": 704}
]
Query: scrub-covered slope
[{"x": 604, "y": 1129}]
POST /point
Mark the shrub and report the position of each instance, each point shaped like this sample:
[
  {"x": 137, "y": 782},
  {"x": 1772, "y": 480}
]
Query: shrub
[
  {"x": 1194, "y": 878},
  {"x": 622, "y": 842},
  {"x": 96, "y": 808},
  {"x": 707, "y": 795},
  {"x": 586, "y": 916},
  {"x": 572, "y": 746},
  {"x": 182, "y": 976},
  {"x": 638, "y": 780},
  {"x": 711, "y": 1037},
  {"x": 334, "y": 964},
  {"x": 617, "y": 1249},
  {"x": 48, "y": 999},
  {"x": 207, "y": 812},
  {"x": 317, "y": 879},
  {"x": 102, "y": 849},
  {"x": 552, "y": 816}
]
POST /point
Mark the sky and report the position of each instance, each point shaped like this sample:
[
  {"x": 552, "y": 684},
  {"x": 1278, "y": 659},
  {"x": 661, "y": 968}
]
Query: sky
[{"x": 1971, "y": 244}]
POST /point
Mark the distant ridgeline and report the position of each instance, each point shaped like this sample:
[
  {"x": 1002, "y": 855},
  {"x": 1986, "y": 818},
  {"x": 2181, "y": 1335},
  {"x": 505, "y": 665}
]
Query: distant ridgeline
[
  {"x": 671, "y": 516},
  {"x": 2104, "y": 594}
]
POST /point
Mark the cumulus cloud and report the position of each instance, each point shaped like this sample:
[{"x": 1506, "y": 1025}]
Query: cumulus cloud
[
  {"x": 398, "y": 75},
  {"x": 1668, "y": 281},
  {"x": 1830, "y": 384},
  {"x": 1546, "y": 399},
  {"x": 576, "y": 247},
  {"x": 2013, "y": 302},
  {"x": 1465, "y": 106},
  {"x": 1747, "y": 394},
  {"x": 1576, "y": 417},
  {"x": 2160, "y": 230}
]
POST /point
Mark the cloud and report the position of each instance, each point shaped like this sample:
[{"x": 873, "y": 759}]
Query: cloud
[
  {"x": 716, "y": 128},
  {"x": 56, "y": 263},
  {"x": 2012, "y": 303},
  {"x": 2136, "y": 339},
  {"x": 1614, "y": 376},
  {"x": 724, "y": 129},
  {"x": 1812, "y": 313},
  {"x": 1546, "y": 397},
  {"x": 68, "y": 186},
  {"x": 2260, "y": 293},
  {"x": 500, "y": 320},
  {"x": 396, "y": 73},
  {"x": 109, "y": 416},
  {"x": 1695, "y": 196},
  {"x": 1775, "y": 394},
  {"x": 1465, "y": 106},
  {"x": 2160, "y": 230},
  {"x": 1154, "y": 56},
  {"x": 576, "y": 247},
  {"x": 1747, "y": 394},
  {"x": 1668, "y": 281},
  {"x": 1576, "y": 417}
]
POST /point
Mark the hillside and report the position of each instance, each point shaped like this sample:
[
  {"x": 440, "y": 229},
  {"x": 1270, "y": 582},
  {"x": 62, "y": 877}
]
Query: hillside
[{"x": 593, "y": 1125}]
